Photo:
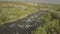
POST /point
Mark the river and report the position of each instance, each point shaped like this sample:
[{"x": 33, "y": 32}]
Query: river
[{"x": 24, "y": 25}]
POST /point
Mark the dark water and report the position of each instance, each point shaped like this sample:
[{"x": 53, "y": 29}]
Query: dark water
[
  {"x": 23, "y": 26},
  {"x": 39, "y": 1}
]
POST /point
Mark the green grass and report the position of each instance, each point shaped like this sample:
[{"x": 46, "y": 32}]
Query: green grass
[
  {"x": 51, "y": 24},
  {"x": 11, "y": 11}
]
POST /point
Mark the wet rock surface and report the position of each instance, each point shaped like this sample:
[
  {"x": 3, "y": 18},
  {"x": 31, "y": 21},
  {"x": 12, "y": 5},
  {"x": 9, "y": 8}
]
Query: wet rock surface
[{"x": 23, "y": 26}]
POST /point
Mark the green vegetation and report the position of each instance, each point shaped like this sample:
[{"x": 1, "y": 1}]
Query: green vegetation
[
  {"x": 51, "y": 22},
  {"x": 10, "y": 11}
]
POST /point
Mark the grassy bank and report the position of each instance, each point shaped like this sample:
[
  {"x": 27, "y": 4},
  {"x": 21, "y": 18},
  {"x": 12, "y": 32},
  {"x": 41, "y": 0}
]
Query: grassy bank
[
  {"x": 51, "y": 22},
  {"x": 10, "y": 11}
]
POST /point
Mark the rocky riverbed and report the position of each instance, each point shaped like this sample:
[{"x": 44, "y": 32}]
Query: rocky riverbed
[{"x": 24, "y": 25}]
